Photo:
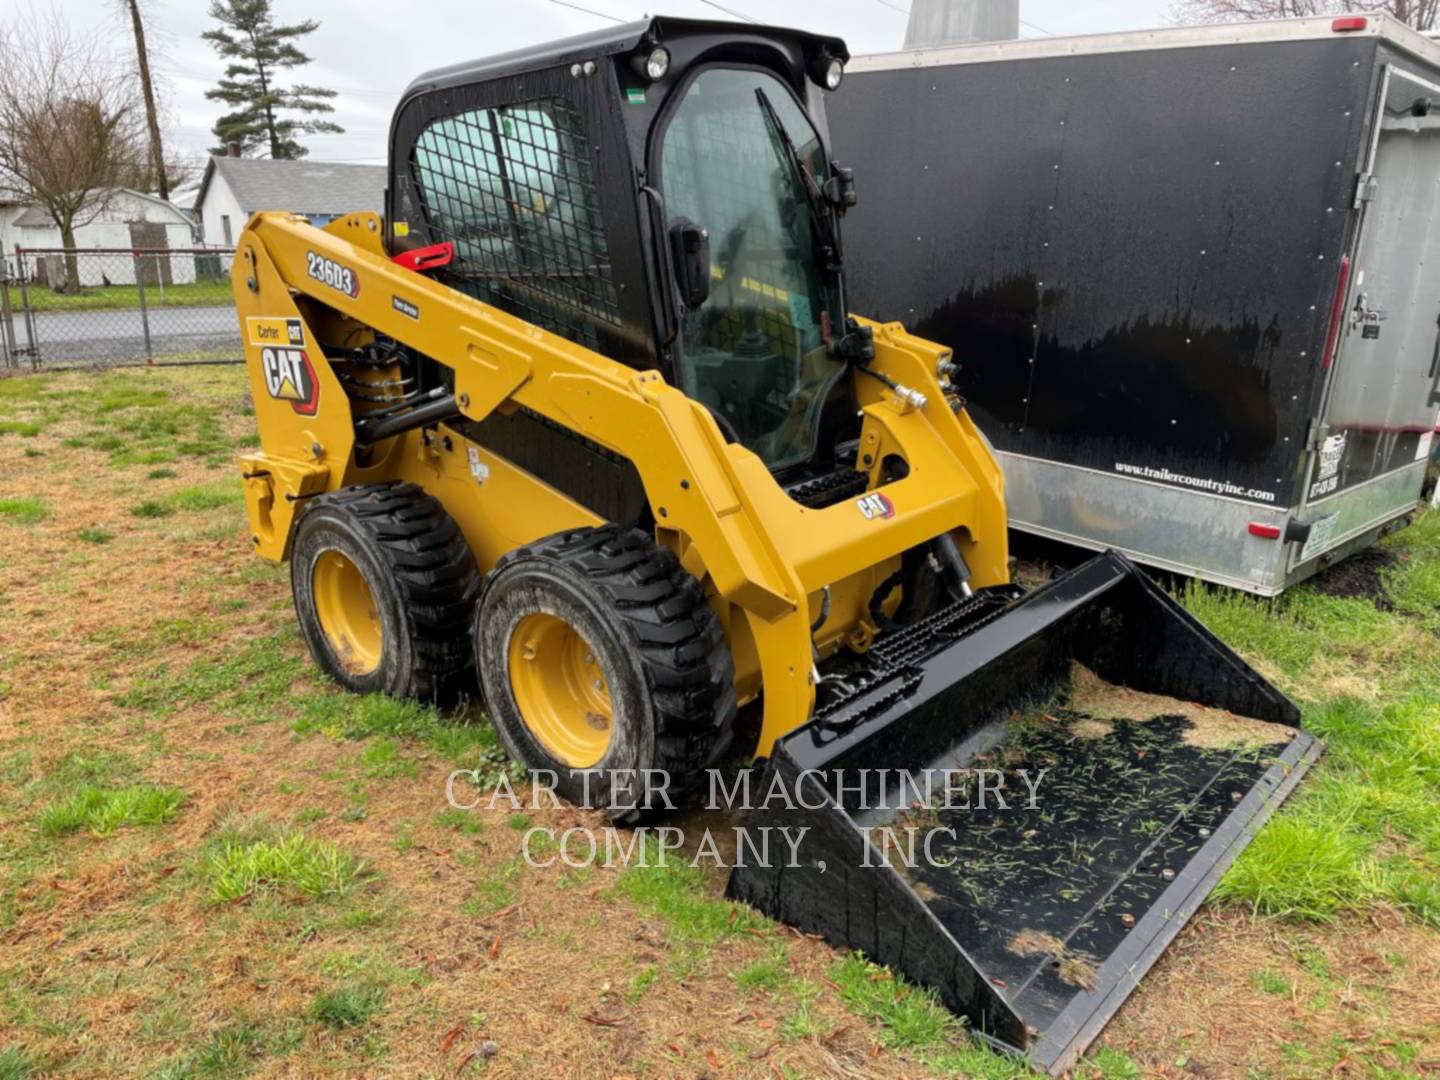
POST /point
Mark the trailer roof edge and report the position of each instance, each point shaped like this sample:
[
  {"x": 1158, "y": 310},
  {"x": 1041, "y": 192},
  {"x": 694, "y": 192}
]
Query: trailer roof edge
[{"x": 1378, "y": 25}]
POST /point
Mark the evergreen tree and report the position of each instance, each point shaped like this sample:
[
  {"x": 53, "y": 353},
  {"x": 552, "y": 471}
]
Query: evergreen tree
[{"x": 258, "y": 50}]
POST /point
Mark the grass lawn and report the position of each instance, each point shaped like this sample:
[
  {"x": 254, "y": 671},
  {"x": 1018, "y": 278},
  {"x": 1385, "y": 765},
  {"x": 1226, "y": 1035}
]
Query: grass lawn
[
  {"x": 212, "y": 292},
  {"x": 213, "y": 864}
]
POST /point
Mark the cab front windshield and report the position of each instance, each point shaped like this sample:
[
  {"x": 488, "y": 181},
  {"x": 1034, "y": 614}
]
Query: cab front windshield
[{"x": 754, "y": 350}]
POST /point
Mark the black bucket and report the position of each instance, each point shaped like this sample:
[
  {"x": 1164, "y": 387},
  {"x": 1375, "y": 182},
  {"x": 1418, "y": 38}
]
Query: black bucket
[{"x": 1034, "y": 919}]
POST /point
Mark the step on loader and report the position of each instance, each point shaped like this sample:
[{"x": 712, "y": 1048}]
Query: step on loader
[{"x": 583, "y": 421}]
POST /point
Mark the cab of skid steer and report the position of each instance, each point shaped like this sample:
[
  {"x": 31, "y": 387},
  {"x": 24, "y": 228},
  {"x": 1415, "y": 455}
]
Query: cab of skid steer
[{"x": 661, "y": 193}]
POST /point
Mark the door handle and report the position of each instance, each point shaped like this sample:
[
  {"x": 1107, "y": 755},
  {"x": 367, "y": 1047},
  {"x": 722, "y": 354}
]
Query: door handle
[
  {"x": 1435, "y": 355},
  {"x": 1435, "y": 369}
]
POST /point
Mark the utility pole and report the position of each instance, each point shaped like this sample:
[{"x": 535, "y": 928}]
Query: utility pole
[{"x": 158, "y": 179}]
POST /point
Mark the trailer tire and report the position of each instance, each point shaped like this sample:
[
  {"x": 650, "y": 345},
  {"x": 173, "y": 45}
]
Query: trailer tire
[
  {"x": 599, "y": 658},
  {"x": 384, "y": 586}
]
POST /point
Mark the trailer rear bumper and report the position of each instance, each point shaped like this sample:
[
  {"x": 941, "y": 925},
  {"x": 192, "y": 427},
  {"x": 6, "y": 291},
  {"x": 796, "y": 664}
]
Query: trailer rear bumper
[{"x": 1195, "y": 533}]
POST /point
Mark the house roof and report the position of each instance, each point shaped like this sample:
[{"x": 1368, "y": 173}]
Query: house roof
[
  {"x": 301, "y": 187},
  {"x": 178, "y": 213},
  {"x": 36, "y": 218}
]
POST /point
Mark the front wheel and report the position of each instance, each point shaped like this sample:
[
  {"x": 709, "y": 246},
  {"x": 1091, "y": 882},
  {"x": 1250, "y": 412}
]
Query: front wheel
[
  {"x": 602, "y": 662},
  {"x": 384, "y": 587}
]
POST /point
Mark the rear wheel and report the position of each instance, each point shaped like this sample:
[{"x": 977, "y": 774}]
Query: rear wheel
[
  {"x": 384, "y": 587},
  {"x": 600, "y": 659}
]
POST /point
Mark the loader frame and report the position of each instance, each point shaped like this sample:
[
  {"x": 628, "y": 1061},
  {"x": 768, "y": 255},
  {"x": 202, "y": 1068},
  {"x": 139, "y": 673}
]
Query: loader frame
[{"x": 766, "y": 559}]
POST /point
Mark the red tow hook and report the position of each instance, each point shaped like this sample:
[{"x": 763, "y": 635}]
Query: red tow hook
[{"x": 427, "y": 258}]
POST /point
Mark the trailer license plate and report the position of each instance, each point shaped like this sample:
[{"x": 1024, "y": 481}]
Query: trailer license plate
[{"x": 1320, "y": 535}]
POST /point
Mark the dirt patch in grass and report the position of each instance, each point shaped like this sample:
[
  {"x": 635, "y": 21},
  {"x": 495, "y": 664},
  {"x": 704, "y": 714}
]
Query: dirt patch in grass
[{"x": 1360, "y": 575}]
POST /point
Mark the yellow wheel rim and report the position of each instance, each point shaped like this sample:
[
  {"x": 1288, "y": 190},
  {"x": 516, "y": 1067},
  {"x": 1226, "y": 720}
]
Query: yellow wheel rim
[
  {"x": 347, "y": 612},
  {"x": 560, "y": 689}
]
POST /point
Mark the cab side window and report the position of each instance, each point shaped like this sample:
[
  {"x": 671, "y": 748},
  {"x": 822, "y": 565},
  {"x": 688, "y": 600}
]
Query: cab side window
[{"x": 514, "y": 188}]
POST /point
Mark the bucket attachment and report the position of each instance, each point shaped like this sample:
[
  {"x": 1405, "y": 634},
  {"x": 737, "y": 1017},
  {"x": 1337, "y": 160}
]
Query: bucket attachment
[{"x": 1154, "y": 754}]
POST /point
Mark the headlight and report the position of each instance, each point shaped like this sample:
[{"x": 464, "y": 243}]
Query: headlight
[
  {"x": 825, "y": 69},
  {"x": 653, "y": 64}
]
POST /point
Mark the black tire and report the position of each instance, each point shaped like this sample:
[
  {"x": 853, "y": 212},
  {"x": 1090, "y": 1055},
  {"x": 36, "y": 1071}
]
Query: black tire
[
  {"x": 422, "y": 579},
  {"x": 670, "y": 675}
]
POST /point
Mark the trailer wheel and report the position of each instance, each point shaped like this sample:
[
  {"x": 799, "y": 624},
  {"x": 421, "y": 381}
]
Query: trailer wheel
[
  {"x": 600, "y": 658},
  {"x": 384, "y": 588}
]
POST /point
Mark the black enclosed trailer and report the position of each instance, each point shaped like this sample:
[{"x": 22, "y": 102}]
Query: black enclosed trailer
[{"x": 1192, "y": 276}]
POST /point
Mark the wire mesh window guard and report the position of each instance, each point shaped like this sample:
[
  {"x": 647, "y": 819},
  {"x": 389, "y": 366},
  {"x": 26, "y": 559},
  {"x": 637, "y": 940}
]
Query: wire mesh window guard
[{"x": 514, "y": 188}]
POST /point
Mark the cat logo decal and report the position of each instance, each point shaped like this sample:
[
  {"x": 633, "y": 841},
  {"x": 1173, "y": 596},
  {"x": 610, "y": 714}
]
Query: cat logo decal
[
  {"x": 290, "y": 377},
  {"x": 876, "y": 506}
]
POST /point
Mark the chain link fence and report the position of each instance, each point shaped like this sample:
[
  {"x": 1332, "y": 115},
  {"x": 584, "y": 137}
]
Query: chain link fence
[{"x": 93, "y": 307}]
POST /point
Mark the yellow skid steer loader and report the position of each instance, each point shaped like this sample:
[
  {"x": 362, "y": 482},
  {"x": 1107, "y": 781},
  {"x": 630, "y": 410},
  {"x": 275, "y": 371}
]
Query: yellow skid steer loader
[{"x": 583, "y": 418}]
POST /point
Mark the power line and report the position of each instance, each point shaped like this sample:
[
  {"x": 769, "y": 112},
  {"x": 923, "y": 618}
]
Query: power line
[
  {"x": 727, "y": 11},
  {"x": 1037, "y": 29},
  {"x": 893, "y": 7},
  {"x": 588, "y": 11}
]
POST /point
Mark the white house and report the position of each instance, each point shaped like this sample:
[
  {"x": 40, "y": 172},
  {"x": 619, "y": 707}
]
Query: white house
[
  {"x": 185, "y": 198},
  {"x": 10, "y": 209},
  {"x": 234, "y": 188},
  {"x": 130, "y": 220}
]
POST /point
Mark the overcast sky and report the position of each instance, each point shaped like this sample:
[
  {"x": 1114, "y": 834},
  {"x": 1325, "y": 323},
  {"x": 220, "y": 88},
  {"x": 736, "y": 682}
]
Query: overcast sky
[{"x": 368, "y": 52}]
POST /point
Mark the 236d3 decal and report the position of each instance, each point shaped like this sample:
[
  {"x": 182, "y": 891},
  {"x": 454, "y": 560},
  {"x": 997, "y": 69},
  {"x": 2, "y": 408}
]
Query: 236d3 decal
[{"x": 340, "y": 278}]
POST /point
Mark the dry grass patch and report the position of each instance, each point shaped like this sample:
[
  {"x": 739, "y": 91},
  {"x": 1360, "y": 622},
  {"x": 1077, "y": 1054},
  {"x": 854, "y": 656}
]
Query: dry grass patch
[
  {"x": 1240, "y": 998},
  {"x": 379, "y": 931}
]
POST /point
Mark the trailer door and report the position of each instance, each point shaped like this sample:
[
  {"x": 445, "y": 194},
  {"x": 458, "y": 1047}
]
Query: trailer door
[{"x": 1384, "y": 389}]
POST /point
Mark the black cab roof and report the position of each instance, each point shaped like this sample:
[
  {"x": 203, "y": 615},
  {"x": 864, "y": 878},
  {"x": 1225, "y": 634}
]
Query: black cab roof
[{"x": 609, "y": 41}]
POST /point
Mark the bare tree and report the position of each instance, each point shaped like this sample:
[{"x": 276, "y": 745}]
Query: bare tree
[
  {"x": 1421, "y": 14},
  {"x": 159, "y": 181},
  {"x": 71, "y": 131}
]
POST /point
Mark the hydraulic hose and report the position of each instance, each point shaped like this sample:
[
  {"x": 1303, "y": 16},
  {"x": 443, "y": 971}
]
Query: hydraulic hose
[{"x": 367, "y": 433}]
